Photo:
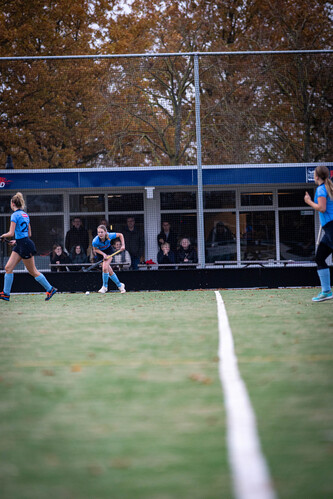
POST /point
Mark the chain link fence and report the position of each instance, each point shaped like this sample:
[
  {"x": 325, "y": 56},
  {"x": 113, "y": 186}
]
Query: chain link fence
[{"x": 234, "y": 111}]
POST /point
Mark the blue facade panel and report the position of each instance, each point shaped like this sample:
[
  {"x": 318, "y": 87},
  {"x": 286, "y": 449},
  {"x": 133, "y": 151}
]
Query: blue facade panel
[
  {"x": 21, "y": 181},
  {"x": 137, "y": 178},
  {"x": 249, "y": 175},
  {"x": 155, "y": 177}
]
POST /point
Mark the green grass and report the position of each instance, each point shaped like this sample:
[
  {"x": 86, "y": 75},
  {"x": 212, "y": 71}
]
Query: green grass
[
  {"x": 118, "y": 396},
  {"x": 284, "y": 344},
  {"x": 112, "y": 396}
]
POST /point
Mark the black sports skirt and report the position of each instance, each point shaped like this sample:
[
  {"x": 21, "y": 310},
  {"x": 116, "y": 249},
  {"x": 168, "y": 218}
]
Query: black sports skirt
[
  {"x": 328, "y": 236},
  {"x": 25, "y": 247}
]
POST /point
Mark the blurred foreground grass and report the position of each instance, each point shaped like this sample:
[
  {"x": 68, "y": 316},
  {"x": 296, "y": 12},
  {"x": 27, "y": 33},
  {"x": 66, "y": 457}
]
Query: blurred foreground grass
[{"x": 118, "y": 396}]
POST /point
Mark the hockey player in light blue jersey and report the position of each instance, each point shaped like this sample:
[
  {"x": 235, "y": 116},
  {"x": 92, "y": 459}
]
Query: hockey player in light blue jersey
[{"x": 102, "y": 245}]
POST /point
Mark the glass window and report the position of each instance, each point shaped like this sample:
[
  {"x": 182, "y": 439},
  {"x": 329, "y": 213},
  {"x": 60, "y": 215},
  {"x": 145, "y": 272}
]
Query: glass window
[
  {"x": 4, "y": 224},
  {"x": 182, "y": 225},
  {"x": 90, "y": 223},
  {"x": 5, "y": 249},
  {"x": 219, "y": 199},
  {"x": 86, "y": 202},
  {"x": 257, "y": 235},
  {"x": 118, "y": 223},
  {"x": 44, "y": 203},
  {"x": 293, "y": 197},
  {"x": 297, "y": 240},
  {"x": 5, "y": 204},
  {"x": 178, "y": 200},
  {"x": 256, "y": 198},
  {"x": 220, "y": 230},
  {"x": 47, "y": 231},
  {"x": 125, "y": 202}
]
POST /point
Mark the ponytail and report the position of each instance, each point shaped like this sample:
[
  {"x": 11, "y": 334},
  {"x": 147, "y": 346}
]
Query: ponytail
[
  {"x": 324, "y": 174},
  {"x": 18, "y": 200},
  {"x": 329, "y": 187}
]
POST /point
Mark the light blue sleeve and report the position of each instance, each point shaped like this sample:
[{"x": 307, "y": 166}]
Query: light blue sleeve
[
  {"x": 112, "y": 235},
  {"x": 95, "y": 242},
  {"x": 320, "y": 193}
]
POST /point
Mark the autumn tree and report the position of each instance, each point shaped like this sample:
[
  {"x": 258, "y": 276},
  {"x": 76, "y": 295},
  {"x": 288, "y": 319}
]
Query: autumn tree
[
  {"x": 46, "y": 106},
  {"x": 163, "y": 124},
  {"x": 254, "y": 109},
  {"x": 294, "y": 108},
  {"x": 140, "y": 111}
]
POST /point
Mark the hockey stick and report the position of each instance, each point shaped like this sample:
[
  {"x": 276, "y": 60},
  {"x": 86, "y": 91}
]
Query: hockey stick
[
  {"x": 94, "y": 265},
  {"x": 319, "y": 236},
  {"x": 5, "y": 240}
]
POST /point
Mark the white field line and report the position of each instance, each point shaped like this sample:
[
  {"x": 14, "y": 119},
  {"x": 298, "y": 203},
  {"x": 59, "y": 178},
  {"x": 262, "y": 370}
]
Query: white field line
[{"x": 251, "y": 478}]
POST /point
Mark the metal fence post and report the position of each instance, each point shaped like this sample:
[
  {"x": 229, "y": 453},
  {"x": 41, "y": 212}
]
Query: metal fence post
[{"x": 200, "y": 215}]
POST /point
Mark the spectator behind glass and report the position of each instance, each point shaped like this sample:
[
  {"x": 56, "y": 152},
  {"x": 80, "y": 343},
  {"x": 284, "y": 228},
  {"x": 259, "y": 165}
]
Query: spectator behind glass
[
  {"x": 186, "y": 253},
  {"x": 167, "y": 236},
  {"x": 59, "y": 256},
  {"x": 133, "y": 242},
  {"x": 220, "y": 234},
  {"x": 78, "y": 256},
  {"x": 166, "y": 255},
  {"x": 77, "y": 235},
  {"x": 123, "y": 258}
]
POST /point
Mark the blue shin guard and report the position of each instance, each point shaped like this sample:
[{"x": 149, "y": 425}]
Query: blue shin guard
[
  {"x": 105, "y": 279},
  {"x": 8, "y": 281},
  {"x": 41, "y": 279},
  {"x": 325, "y": 279},
  {"x": 115, "y": 279}
]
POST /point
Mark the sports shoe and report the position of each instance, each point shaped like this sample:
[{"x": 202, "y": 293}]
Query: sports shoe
[
  {"x": 3, "y": 296},
  {"x": 122, "y": 288},
  {"x": 49, "y": 294},
  {"x": 103, "y": 289},
  {"x": 328, "y": 295}
]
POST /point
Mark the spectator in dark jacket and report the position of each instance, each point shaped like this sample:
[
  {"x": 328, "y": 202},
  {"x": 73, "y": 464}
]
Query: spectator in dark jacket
[
  {"x": 186, "y": 253},
  {"x": 134, "y": 242},
  {"x": 167, "y": 236},
  {"x": 78, "y": 256},
  {"x": 166, "y": 255},
  {"x": 59, "y": 256},
  {"x": 77, "y": 235}
]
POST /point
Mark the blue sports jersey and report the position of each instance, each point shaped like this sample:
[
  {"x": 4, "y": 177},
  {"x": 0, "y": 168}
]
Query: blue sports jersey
[
  {"x": 328, "y": 215},
  {"x": 22, "y": 220},
  {"x": 103, "y": 245}
]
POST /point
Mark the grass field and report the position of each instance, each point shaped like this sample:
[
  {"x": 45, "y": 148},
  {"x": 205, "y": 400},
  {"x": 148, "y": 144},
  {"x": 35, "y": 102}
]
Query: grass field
[{"x": 118, "y": 396}]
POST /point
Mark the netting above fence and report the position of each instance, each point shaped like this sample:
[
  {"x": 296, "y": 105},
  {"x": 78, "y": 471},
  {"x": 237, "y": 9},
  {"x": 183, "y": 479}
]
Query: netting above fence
[
  {"x": 141, "y": 111},
  {"x": 264, "y": 114}
]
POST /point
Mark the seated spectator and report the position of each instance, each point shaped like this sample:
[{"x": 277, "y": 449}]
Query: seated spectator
[
  {"x": 186, "y": 253},
  {"x": 165, "y": 255},
  {"x": 78, "y": 256},
  {"x": 60, "y": 257},
  {"x": 123, "y": 258}
]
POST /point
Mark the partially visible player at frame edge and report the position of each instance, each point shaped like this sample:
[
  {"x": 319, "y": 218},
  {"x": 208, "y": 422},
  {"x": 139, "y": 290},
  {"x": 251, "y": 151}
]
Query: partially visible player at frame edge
[
  {"x": 23, "y": 249},
  {"x": 323, "y": 203},
  {"x": 102, "y": 245}
]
